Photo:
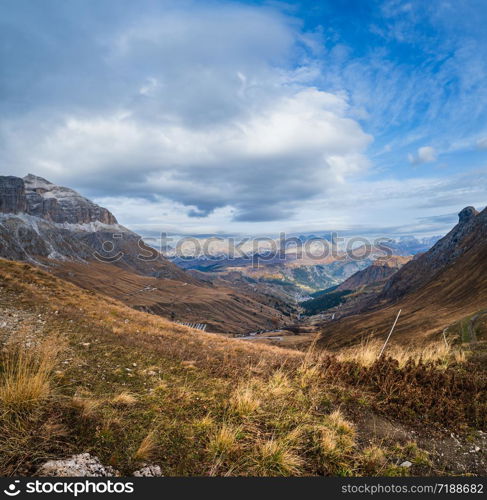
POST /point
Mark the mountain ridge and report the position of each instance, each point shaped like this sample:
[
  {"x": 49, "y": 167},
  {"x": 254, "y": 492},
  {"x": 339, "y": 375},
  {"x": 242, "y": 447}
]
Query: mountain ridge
[{"x": 440, "y": 289}]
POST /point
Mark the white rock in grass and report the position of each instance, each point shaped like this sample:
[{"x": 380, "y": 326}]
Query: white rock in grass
[
  {"x": 148, "y": 471},
  {"x": 83, "y": 465},
  {"x": 407, "y": 464}
]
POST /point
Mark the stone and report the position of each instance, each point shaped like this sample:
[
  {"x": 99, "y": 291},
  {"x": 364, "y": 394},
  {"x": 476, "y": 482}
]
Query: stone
[
  {"x": 148, "y": 471},
  {"x": 83, "y": 465},
  {"x": 12, "y": 195},
  {"x": 62, "y": 205},
  {"x": 406, "y": 464},
  {"x": 466, "y": 214}
]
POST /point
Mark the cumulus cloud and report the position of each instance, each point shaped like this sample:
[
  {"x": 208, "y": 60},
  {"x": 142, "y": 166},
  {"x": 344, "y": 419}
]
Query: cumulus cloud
[
  {"x": 425, "y": 154},
  {"x": 213, "y": 111}
]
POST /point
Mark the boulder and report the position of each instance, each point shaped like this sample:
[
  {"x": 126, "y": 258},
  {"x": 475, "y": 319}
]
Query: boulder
[
  {"x": 148, "y": 471},
  {"x": 83, "y": 465}
]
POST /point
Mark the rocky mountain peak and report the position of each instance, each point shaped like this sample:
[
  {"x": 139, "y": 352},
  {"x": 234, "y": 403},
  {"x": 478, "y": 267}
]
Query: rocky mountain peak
[
  {"x": 467, "y": 234},
  {"x": 34, "y": 181},
  {"x": 12, "y": 195},
  {"x": 34, "y": 195},
  {"x": 467, "y": 214}
]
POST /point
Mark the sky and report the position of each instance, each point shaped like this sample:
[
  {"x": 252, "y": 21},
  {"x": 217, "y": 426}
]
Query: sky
[{"x": 251, "y": 117}]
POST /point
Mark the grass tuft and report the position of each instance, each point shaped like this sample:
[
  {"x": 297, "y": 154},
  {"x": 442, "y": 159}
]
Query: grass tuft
[
  {"x": 26, "y": 377},
  {"x": 244, "y": 402},
  {"x": 124, "y": 399},
  {"x": 147, "y": 447},
  {"x": 276, "y": 457}
]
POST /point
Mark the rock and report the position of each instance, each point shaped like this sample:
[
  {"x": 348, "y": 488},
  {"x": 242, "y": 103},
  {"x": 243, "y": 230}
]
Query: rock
[
  {"x": 12, "y": 195},
  {"x": 466, "y": 214},
  {"x": 148, "y": 471},
  {"x": 39, "y": 219},
  {"x": 83, "y": 465},
  {"x": 62, "y": 205},
  {"x": 466, "y": 236},
  {"x": 406, "y": 464}
]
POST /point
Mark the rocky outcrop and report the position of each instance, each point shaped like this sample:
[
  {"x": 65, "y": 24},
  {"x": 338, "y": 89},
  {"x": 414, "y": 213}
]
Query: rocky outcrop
[
  {"x": 35, "y": 196},
  {"x": 148, "y": 471},
  {"x": 12, "y": 195},
  {"x": 62, "y": 205},
  {"x": 83, "y": 465},
  {"x": 470, "y": 230},
  {"x": 467, "y": 214},
  {"x": 40, "y": 220}
]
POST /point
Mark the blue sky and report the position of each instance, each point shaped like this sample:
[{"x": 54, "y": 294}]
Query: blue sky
[{"x": 251, "y": 117}]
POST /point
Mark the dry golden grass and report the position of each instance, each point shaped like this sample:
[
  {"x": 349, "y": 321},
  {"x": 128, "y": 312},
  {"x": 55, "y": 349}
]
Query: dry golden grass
[
  {"x": 326, "y": 441},
  {"x": 224, "y": 441},
  {"x": 124, "y": 399},
  {"x": 244, "y": 401},
  {"x": 204, "y": 423},
  {"x": 278, "y": 384},
  {"x": 276, "y": 457},
  {"x": 27, "y": 372},
  {"x": 337, "y": 421},
  {"x": 367, "y": 353},
  {"x": 147, "y": 447},
  {"x": 87, "y": 407},
  {"x": 373, "y": 459}
]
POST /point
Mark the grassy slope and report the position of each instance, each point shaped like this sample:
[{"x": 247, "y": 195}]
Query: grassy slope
[
  {"x": 223, "y": 309},
  {"x": 131, "y": 387},
  {"x": 455, "y": 293}
]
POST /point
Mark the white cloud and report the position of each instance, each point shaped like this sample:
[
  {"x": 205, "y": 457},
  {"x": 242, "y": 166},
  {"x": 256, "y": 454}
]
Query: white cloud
[
  {"x": 482, "y": 143},
  {"x": 217, "y": 109},
  {"x": 425, "y": 154},
  {"x": 294, "y": 148}
]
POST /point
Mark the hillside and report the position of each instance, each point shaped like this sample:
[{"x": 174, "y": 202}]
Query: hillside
[
  {"x": 380, "y": 270},
  {"x": 131, "y": 388},
  {"x": 221, "y": 308},
  {"x": 442, "y": 288},
  {"x": 82, "y": 373}
]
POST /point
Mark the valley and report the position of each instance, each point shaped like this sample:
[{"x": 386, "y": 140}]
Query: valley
[{"x": 286, "y": 378}]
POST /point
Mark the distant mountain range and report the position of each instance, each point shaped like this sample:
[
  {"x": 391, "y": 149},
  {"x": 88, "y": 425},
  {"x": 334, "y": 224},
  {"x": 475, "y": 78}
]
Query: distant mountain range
[{"x": 305, "y": 273}]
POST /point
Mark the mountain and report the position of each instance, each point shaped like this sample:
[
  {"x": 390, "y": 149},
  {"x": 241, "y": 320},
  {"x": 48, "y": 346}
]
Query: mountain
[
  {"x": 57, "y": 228},
  {"x": 443, "y": 288},
  {"x": 41, "y": 221},
  {"x": 461, "y": 239},
  {"x": 410, "y": 245},
  {"x": 315, "y": 268},
  {"x": 380, "y": 270}
]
